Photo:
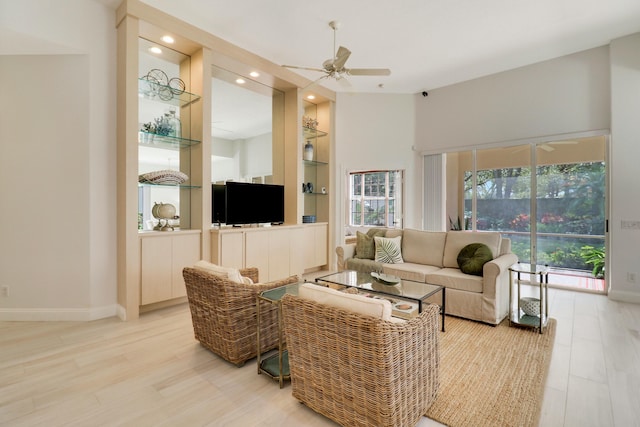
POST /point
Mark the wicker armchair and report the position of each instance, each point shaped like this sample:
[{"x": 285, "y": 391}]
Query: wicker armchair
[
  {"x": 224, "y": 313},
  {"x": 358, "y": 370}
]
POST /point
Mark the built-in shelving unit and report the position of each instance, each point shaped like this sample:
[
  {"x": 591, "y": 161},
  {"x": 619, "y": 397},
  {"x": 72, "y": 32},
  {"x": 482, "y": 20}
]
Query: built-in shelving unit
[
  {"x": 164, "y": 139},
  {"x": 316, "y": 168},
  {"x": 147, "y": 257}
]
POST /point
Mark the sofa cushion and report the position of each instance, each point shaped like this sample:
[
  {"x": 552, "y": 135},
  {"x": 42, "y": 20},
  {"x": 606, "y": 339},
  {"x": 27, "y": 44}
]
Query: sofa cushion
[
  {"x": 473, "y": 257},
  {"x": 379, "y": 308},
  {"x": 389, "y": 250},
  {"x": 456, "y": 240},
  {"x": 453, "y": 278},
  {"x": 365, "y": 245},
  {"x": 229, "y": 273},
  {"x": 423, "y": 247},
  {"x": 409, "y": 271},
  {"x": 393, "y": 232}
]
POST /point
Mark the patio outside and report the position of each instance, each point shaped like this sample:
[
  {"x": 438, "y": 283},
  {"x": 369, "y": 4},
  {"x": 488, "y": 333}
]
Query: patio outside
[{"x": 569, "y": 228}]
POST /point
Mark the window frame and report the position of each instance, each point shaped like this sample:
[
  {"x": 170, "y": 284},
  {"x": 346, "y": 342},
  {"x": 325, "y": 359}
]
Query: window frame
[{"x": 390, "y": 221}]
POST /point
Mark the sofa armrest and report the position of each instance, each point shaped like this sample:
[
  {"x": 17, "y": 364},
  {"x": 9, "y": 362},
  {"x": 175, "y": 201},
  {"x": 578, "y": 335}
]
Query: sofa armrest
[
  {"x": 493, "y": 270},
  {"x": 345, "y": 252}
]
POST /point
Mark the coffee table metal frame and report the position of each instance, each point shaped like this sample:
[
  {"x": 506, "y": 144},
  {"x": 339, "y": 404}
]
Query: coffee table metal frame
[
  {"x": 280, "y": 371},
  {"x": 406, "y": 289}
]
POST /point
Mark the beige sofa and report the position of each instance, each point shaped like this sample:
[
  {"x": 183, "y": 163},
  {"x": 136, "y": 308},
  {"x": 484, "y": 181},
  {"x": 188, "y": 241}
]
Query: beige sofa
[{"x": 431, "y": 257}]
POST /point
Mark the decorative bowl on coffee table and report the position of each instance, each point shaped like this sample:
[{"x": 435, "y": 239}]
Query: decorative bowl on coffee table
[{"x": 385, "y": 279}]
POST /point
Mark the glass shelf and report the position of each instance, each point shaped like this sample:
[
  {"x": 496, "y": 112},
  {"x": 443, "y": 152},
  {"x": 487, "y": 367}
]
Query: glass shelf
[
  {"x": 314, "y": 162},
  {"x": 164, "y": 141},
  {"x": 316, "y": 194},
  {"x": 165, "y": 94},
  {"x": 312, "y": 133}
]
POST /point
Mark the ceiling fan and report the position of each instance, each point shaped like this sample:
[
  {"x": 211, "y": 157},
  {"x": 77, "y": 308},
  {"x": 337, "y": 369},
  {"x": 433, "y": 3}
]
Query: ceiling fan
[{"x": 335, "y": 67}]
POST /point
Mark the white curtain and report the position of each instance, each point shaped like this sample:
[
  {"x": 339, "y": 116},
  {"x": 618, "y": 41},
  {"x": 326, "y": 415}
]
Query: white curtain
[{"x": 435, "y": 203}]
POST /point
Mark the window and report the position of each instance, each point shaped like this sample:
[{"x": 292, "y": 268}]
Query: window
[{"x": 375, "y": 198}]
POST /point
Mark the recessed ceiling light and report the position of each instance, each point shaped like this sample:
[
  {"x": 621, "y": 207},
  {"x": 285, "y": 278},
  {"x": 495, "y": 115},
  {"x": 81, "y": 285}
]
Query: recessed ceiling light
[
  {"x": 254, "y": 74},
  {"x": 155, "y": 49},
  {"x": 168, "y": 39},
  {"x": 240, "y": 81},
  {"x": 311, "y": 97}
]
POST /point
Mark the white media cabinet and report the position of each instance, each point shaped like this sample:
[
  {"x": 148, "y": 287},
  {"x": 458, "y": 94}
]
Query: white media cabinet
[{"x": 277, "y": 251}]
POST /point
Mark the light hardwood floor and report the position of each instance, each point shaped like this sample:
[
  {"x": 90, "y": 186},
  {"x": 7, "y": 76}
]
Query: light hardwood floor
[{"x": 151, "y": 372}]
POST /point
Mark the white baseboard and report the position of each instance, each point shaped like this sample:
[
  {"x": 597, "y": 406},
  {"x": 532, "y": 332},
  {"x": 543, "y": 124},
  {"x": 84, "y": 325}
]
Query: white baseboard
[
  {"x": 624, "y": 296},
  {"x": 121, "y": 312},
  {"x": 57, "y": 314}
]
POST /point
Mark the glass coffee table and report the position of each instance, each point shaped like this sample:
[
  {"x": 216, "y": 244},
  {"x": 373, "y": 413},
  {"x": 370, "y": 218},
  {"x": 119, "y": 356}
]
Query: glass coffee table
[{"x": 406, "y": 296}]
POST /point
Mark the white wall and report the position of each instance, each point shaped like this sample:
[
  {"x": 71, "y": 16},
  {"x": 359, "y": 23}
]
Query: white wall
[
  {"x": 242, "y": 159},
  {"x": 58, "y": 246},
  {"x": 376, "y": 131},
  {"x": 259, "y": 156},
  {"x": 564, "y": 95},
  {"x": 625, "y": 154}
]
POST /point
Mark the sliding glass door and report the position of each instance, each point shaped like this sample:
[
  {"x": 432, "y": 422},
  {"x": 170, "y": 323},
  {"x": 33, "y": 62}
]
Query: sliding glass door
[
  {"x": 555, "y": 216},
  {"x": 571, "y": 211}
]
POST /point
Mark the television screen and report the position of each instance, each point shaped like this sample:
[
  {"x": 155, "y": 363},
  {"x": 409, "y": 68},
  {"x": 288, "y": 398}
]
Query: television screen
[{"x": 247, "y": 203}]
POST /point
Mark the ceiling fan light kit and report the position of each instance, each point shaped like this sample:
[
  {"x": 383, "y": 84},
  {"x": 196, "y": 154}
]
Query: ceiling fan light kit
[{"x": 335, "y": 67}]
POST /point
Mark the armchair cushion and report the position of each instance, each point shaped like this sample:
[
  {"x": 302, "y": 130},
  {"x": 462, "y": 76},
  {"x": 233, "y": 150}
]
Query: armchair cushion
[
  {"x": 230, "y": 273},
  {"x": 360, "y": 304}
]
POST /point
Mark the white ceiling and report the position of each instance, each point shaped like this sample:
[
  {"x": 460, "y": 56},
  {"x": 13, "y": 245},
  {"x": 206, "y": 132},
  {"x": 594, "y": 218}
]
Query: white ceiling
[{"x": 427, "y": 44}]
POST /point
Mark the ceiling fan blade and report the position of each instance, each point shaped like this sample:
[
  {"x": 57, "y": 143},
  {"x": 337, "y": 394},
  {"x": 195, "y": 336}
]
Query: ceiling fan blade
[
  {"x": 341, "y": 57},
  {"x": 304, "y": 68},
  {"x": 368, "y": 71},
  {"x": 344, "y": 82},
  {"x": 314, "y": 83}
]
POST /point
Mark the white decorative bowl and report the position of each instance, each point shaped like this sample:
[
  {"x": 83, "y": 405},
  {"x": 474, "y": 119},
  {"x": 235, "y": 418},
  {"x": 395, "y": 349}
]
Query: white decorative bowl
[
  {"x": 163, "y": 177},
  {"x": 386, "y": 279},
  {"x": 530, "y": 306}
]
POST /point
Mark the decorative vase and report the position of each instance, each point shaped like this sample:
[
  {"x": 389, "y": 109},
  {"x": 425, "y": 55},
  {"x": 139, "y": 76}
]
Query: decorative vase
[
  {"x": 308, "y": 151},
  {"x": 163, "y": 212},
  {"x": 174, "y": 124}
]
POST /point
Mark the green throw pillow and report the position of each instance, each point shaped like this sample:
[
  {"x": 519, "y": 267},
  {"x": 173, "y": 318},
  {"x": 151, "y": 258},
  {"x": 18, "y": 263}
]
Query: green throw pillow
[
  {"x": 365, "y": 245},
  {"x": 389, "y": 250},
  {"x": 473, "y": 257}
]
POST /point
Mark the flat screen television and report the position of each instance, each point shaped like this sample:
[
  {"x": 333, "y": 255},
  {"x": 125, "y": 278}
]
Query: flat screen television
[
  {"x": 246, "y": 203},
  {"x": 218, "y": 203}
]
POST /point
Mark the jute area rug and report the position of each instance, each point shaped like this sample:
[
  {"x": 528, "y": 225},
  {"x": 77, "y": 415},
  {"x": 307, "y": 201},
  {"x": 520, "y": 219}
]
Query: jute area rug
[{"x": 491, "y": 376}]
